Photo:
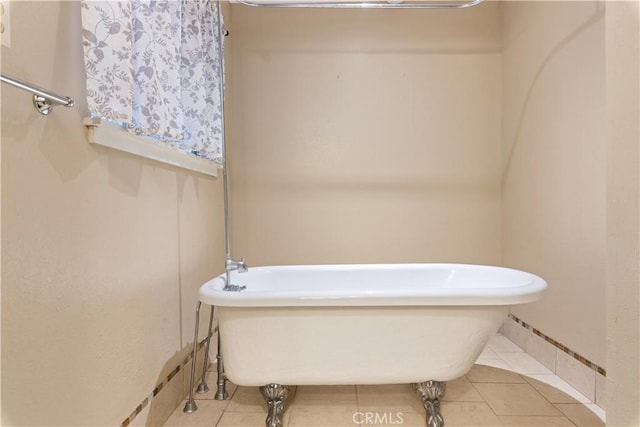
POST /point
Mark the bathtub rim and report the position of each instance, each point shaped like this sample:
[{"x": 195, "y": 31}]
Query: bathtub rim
[{"x": 211, "y": 292}]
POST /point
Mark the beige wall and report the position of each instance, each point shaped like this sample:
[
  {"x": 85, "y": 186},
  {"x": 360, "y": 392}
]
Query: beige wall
[
  {"x": 623, "y": 213},
  {"x": 553, "y": 215},
  {"x": 103, "y": 252},
  {"x": 366, "y": 136}
]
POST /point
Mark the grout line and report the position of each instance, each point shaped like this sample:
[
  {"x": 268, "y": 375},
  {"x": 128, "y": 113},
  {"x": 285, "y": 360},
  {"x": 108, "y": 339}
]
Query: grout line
[
  {"x": 483, "y": 398},
  {"x": 473, "y": 385},
  {"x": 559, "y": 346},
  {"x": 159, "y": 387},
  {"x": 221, "y": 415},
  {"x": 589, "y": 405}
]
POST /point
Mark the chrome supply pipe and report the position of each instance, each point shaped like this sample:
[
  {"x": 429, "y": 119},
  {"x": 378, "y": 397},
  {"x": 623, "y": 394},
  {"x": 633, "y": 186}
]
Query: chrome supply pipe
[
  {"x": 203, "y": 387},
  {"x": 221, "y": 383},
  {"x": 190, "y": 405},
  {"x": 230, "y": 264},
  {"x": 221, "y": 393}
]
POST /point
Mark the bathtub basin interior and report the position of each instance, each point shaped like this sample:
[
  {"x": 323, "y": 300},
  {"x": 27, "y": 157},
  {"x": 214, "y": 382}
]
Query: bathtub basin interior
[{"x": 381, "y": 284}]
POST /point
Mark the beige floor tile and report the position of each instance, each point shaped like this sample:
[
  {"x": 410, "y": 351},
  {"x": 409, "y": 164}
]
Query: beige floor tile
[
  {"x": 515, "y": 399},
  {"x": 468, "y": 414},
  {"x": 335, "y": 393},
  {"x": 389, "y": 398},
  {"x": 461, "y": 390},
  {"x": 247, "y": 399},
  {"x": 242, "y": 419},
  {"x": 388, "y": 419},
  {"x": 210, "y": 395},
  {"x": 472, "y": 401},
  {"x": 324, "y": 416},
  {"x": 323, "y": 403},
  {"x": 520, "y": 421},
  {"x": 580, "y": 415},
  {"x": 489, "y": 374},
  {"x": 406, "y": 419},
  {"x": 601, "y": 413},
  {"x": 552, "y": 392},
  {"x": 248, "y": 419},
  {"x": 212, "y": 378},
  {"x": 207, "y": 414}
]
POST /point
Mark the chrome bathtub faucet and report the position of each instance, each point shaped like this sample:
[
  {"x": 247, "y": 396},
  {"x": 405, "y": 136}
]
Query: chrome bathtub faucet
[{"x": 233, "y": 265}]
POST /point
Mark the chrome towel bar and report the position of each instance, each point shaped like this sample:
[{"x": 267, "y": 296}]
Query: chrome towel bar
[
  {"x": 43, "y": 100},
  {"x": 390, "y": 4}
]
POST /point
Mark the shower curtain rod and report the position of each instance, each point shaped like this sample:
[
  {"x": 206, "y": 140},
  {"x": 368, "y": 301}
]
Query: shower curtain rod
[{"x": 391, "y": 4}]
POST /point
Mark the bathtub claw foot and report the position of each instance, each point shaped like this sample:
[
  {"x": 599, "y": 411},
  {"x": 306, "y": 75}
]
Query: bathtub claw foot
[
  {"x": 276, "y": 397},
  {"x": 431, "y": 392}
]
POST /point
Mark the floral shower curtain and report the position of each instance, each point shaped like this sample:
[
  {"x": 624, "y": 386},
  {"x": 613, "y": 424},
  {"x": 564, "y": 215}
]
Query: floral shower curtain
[{"x": 153, "y": 66}]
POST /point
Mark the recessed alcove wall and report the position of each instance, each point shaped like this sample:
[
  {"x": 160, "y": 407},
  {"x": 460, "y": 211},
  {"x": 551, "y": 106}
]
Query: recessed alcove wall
[
  {"x": 472, "y": 136},
  {"x": 366, "y": 136}
]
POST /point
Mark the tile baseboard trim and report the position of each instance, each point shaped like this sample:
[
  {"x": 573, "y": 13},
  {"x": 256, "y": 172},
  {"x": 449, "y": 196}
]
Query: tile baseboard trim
[
  {"x": 600, "y": 370},
  {"x": 147, "y": 400}
]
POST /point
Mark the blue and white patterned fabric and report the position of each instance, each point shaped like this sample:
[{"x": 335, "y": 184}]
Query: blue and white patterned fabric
[{"x": 154, "y": 66}]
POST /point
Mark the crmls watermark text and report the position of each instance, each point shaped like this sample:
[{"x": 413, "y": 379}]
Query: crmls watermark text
[{"x": 373, "y": 418}]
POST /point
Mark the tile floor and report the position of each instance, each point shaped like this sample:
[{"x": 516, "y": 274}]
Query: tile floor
[{"x": 506, "y": 387}]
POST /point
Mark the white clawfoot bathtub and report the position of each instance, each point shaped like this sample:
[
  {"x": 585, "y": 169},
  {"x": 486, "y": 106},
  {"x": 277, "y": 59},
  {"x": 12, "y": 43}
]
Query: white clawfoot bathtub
[{"x": 362, "y": 324}]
